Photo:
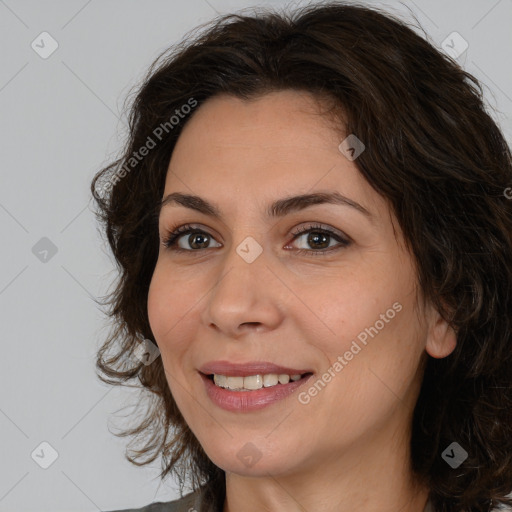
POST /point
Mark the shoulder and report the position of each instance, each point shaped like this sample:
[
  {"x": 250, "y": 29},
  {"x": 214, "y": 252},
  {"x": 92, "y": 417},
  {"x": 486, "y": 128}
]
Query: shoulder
[{"x": 189, "y": 503}]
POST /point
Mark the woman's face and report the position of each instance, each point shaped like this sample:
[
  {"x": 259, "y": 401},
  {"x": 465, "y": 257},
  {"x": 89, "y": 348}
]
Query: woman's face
[{"x": 247, "y": 288}]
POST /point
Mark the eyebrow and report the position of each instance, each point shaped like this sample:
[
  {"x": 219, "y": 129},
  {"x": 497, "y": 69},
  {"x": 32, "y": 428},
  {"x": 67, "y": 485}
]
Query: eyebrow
[{"x": 278, "y": 208}]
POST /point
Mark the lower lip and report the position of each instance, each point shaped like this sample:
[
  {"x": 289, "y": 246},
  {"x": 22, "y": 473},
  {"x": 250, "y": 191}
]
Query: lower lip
[{"x": 246, "y": 401}]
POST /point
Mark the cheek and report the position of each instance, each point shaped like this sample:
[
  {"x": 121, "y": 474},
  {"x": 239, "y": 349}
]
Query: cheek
[
  {"x": 168, "y": 302},
  {"x": 164, "y": 313},
  {"x": 368, "y": 318},
  {"x": 173, "y": 312},
  {"x": 365, "y": 383},
  {"x": 346, "y": 306},
  {"x": 156, "y": 305}
]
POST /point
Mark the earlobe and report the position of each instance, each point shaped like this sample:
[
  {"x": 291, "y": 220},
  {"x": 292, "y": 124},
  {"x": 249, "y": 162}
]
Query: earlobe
[{"x": 441, "y": 338}]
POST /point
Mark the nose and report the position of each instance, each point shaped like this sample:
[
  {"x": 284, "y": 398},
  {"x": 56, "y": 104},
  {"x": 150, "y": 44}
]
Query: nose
[{"x": 246, "y": 295}]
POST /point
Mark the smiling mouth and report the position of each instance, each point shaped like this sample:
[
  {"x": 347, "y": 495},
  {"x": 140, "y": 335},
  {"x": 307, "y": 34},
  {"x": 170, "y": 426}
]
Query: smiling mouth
[{"x": 254, "y": 382}]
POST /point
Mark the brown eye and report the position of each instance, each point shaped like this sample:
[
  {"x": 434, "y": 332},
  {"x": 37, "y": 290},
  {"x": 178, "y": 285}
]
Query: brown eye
[
  {"x": 318, "y": 240},
  {"x": 197, "y": 239}
]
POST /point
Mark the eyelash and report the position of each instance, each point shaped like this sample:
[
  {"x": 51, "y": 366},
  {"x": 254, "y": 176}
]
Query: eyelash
[{"x": 170, "y": 240}]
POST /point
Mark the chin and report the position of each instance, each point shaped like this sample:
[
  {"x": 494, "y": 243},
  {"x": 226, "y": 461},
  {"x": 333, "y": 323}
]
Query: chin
[{"x": 243, "y": 457}]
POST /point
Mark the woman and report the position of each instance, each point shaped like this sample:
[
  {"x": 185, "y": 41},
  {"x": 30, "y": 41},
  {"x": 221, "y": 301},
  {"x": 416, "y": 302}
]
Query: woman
[{"x": 375, "y": 377}]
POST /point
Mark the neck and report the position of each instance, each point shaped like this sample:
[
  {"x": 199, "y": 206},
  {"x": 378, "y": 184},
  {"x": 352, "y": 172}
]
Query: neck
[{"x": 373, "y": 475}]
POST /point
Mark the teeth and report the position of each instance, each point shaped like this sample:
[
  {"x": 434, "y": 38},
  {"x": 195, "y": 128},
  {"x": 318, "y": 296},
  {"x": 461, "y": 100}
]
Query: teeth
[
  {"x": 270, "y": 379},
  {"x": 253, "y": 382},
  {"x": 220, "y": 380},
  {"x": 284, "y": 379}
]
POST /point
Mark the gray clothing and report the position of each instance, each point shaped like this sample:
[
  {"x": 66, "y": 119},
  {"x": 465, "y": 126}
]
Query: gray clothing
[{"x": 191, "y": 503}]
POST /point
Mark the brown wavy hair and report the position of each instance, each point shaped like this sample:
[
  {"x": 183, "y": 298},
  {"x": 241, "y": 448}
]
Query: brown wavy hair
[{"x": 431, "y": 149}]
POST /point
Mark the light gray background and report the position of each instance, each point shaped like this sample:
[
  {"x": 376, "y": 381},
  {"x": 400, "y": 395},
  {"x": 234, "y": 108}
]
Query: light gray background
[{"x": 60, "y": 123}]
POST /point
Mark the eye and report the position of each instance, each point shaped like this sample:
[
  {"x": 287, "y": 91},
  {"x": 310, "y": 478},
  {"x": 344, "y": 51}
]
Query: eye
[
  {"x": 320, "y": 239},
  {"x": 197, "y": 239}
]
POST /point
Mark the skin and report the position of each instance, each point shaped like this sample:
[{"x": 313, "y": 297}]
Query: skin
[{"x": 347, "y": 449}]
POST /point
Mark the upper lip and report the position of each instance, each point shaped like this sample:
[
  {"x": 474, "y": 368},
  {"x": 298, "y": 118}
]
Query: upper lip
[{"x": 246, "y": 369}]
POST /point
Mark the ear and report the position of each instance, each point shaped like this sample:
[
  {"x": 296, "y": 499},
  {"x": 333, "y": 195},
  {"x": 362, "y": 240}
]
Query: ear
[{"x": 441, "y": 338}]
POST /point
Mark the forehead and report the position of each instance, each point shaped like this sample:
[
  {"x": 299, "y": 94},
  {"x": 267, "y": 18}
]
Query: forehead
[
  {"x": 280, "y": 142},
  {"x": 275, "y": 121}
]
